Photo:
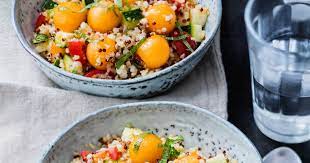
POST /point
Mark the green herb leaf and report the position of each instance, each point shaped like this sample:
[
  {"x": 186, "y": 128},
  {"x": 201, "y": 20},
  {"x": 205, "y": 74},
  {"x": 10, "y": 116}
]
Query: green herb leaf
[
  {"x": 137, "y": 144},
  {"x": 39, "y": 38},
  {"x": 188, "y": 46},
  {"x": 56, "y": 62},
  {"x": 133, "y": 15},
  {"x": 169, "y": 151},
  {"x": 87, "y": 2},
  {"x": 184, "y": 41},
  {"x": 182, "y": 37},
  {"x": 48, "y": 4},
  {"x": 131, "y": 52},
  {"x": 88, "y": 6}
]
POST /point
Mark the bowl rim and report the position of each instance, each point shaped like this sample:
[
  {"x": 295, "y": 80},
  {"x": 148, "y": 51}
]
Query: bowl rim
[
  {"x": 226, "y": 123},
  {"x": 37, "y": 57}
]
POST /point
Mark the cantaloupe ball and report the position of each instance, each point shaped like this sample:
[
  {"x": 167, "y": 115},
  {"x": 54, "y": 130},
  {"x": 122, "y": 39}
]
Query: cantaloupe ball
[
  {"x": 192, "y": 158},
  {"x": 146, "y": 148},
  {"x": 97, "y": 53},
  {"x": 154, "y": 52},
  {"x": 104, "y": 17},
  {"x": 68, "y": 16},
  {"x": 161, "y": 18}
]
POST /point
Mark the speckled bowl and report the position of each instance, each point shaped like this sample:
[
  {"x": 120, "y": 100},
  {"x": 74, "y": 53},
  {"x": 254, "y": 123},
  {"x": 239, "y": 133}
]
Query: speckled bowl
[
  {"x": 199, "y": 127},
  {"x": 25, "y": 13}
]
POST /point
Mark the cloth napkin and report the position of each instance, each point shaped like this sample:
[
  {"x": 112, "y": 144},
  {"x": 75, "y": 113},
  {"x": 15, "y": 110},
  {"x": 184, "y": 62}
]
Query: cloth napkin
[{"x": 33, "y": 110}]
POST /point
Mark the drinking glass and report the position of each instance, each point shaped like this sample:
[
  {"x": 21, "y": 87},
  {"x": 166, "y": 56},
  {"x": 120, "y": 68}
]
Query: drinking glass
[{"x": 278, "y": 34}]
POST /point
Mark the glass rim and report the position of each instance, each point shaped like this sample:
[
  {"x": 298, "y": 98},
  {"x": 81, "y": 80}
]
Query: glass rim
[{"x": 250, "y": 29}]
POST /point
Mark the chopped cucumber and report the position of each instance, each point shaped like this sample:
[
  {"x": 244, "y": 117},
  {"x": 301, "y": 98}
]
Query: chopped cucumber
[
  {"x": 42, "y": 47},
  {"x": 72, "y": 66},
  {"x": 119, "y": 3},
  {"x": 131, "y": 18},
  {"x": 197, "y": 33},
  {"x": 61, "y": 38},
  {"x": 199, "y": 15},
  {"x": 39, "y": 38},
  {"x": 217, "y": 159}
]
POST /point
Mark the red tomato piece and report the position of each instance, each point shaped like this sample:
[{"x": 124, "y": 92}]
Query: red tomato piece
[
  {"x": 84, "y": 154},
  {"x": 78, "y": 48},
  {"x": 93, "y": 73},
  {"x": 40, "y": 20},
  {"x": 179, "y": 45},
  {"x": 114, "y": 153}
]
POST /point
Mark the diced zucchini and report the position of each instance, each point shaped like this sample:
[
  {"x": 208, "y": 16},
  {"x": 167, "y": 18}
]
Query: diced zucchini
[
  {"x": 131, "y": 18},
  {"x": 119, "y": 3},
  {"x": 199, "y": 15},
  {"x": 42, "y": 47},
  {"x": 50, "y": 13},
  {"x": 72, "y": 66},
  {"x": 197, "y": 33},
  {"x": 61, "y": 38},
  {"x": 217, "y": 159}
]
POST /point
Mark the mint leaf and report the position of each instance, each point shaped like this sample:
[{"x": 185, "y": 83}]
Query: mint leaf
[{"x": 169, "y": 151}]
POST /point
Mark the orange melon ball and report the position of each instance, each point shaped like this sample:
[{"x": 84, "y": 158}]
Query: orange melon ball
[
  {"x": 161, "y": 18},
  {"x": 56, "y": 51},
  {"x": 104, "y": 17},
  {"x": 97, "y": 53},
  {"x": 68, "y": 16},
  {"x": 154, "y": 52},
  {"x": 146, "y": 148},
  {"x": 192, "y": 158}
]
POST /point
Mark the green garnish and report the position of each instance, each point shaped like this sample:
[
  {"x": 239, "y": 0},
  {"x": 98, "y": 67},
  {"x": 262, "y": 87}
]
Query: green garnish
[
  {"x": 48, "y": 4},
  {"x": 133, "y": 15},
  {"x": 184, "y": 41},
  {"x": 39, "y": 38},
  {"x": 188, "y": 46},
  {"x": 182, "y": 37},
  {"x": 137, "y": 144},
  {"x": 87, "y": 2},
  {"x": 56, "y": 62},
  {"x": 88, "y": 6},
  {"x": 126, "y": 56},
  {"x": 169, "y": 151}
]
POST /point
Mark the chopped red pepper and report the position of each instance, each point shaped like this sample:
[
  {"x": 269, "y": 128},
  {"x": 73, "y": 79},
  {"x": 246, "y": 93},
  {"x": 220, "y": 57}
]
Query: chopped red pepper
[
  {"x": 40, "y": 20},
  {"x": 84, "y": 154},
  {"x": 114, "y": 153},
  {"x": 78, "y": 48},
  {"x": 180, "y": 47},
  {"x": 93, "y": 73}
]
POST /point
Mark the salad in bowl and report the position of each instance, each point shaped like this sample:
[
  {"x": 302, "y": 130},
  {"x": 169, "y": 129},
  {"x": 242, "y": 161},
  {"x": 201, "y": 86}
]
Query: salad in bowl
[
  {"x": 120, "y": 39},
  {"x": 137, "y": 146}
]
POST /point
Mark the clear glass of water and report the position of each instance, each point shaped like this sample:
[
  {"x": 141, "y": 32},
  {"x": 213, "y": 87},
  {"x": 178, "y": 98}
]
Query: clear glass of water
[{"x": 279, "y": 46}]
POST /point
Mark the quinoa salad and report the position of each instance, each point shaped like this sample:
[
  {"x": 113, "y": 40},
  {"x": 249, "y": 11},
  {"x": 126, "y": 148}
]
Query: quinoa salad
[
  {"x": 120, "y": 39},
  {"x": 137, "y": 146}
]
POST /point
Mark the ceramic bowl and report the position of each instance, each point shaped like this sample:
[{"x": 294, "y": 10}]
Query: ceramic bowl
[
  {"x": 25, "y": 13},
  {"x": 199, "y": 127}
]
